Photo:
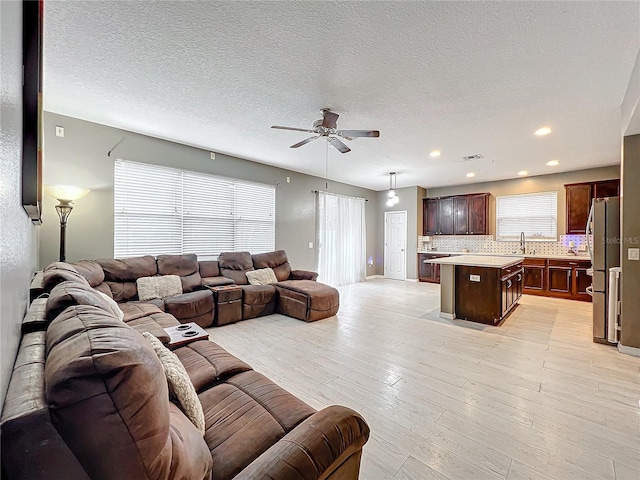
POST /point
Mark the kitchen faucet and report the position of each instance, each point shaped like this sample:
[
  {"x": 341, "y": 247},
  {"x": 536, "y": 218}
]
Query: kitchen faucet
[{"x": 522, "y": 243}]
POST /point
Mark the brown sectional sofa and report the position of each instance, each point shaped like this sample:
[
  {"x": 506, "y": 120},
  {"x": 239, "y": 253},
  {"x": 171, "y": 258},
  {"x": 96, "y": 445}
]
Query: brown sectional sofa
[{"x": 88, "y": 398}]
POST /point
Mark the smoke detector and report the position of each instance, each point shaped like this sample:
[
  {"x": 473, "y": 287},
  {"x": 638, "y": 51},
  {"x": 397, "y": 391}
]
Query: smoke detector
[{"x": 477, "y": 156}]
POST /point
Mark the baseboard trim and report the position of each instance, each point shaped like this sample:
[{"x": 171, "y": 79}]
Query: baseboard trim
[
  {"x": 371, "y": 277},
  {"x": 448, "y": 316},
  {"x": 629, "y": 350},
  {"x": 411, "y": 279}
]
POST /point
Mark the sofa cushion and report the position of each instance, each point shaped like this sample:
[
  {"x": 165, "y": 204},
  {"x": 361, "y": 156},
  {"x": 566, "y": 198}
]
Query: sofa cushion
[
  {"x": 185, "y": 266},
  {"x": 192, "y": 307},
  {"x": 307, "y": 299},
  {"x": 105, "y": 387},
  {"x": 244, "y": 417},
  {"x": 71, "y": 293},
  {"x": 234, "y": 265},
  {"x": 263, "y": 276},
  {"x": 158, "y": 287},
  {"x": 207, "y": 363},
  {"x": 258, "y": 300},
  {"x": 275, "y": 260},
  {"x": 218, "y": 281},
  {"x": 121, "y": 275},
  {"x": 90, "y": 270},
  {"x": 180, "y": 385},
  {"x": 58, "y": 272},
  {"x": 114, "y": 306},
  {"x": 208, "y": 268}
]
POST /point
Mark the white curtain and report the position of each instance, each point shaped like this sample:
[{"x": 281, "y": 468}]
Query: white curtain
[{"x": 342, "y": 239}]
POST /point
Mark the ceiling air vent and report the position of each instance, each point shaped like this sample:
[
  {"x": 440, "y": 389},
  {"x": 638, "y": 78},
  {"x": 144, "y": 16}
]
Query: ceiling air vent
[{"x": 477, "y": 156}]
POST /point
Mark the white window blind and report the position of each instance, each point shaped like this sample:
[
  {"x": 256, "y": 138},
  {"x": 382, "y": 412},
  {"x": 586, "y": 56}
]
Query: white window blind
[
  {"x": 160, "y": 210},
  {"x": 535, "y": 214}
]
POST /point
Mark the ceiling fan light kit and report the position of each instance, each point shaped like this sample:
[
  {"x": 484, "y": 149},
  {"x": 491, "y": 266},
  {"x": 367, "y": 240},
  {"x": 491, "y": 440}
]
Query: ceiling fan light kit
[{"x": 327, "y": 127}]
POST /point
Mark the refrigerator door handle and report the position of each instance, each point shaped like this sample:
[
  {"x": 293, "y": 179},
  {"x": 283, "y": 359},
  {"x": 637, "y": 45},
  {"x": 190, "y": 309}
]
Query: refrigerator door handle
[{"x": 588, "y": 232}]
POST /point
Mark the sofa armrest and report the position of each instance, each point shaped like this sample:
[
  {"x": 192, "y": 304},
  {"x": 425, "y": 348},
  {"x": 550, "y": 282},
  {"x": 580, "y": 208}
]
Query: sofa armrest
[
  {"x": 302, "y": 275},
  {"x": 314, "y": 449}
]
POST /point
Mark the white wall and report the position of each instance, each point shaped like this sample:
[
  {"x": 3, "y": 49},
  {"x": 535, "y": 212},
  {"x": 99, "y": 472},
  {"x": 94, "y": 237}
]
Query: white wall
[{"x": 18, "y": 255}]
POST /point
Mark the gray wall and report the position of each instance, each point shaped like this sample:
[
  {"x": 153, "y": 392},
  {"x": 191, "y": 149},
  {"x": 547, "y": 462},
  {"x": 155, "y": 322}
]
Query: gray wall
[
  {"x": 540, "y": 183},
  {"x": 411, "y": 202},
  {"x": 18, "y": 255},
  {"x": 80, "y": 158},
  {"x": 630, "y": 320}
]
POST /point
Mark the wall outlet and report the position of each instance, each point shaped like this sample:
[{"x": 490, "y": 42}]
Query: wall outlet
[
  {"x": 288, "y": 179},
  {"x": 59, "y": 131},
  {"x": 474, "y": 278},
  {"x": 633, "y": 253},
  {"x": 310, "y": 244}
]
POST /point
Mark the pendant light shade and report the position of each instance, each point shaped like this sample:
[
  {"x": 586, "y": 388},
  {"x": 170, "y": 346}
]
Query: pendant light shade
[{"x": 392, "y": 195}]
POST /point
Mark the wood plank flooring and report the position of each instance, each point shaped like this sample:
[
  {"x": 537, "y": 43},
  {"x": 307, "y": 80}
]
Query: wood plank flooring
[{"x": 534, "y": 398}]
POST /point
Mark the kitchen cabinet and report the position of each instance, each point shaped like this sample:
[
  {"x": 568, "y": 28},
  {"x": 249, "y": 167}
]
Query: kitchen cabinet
[
  {"x": 456, "y": 215},
  {"x": 487, "y": 295},
  {"x": 430, "y": 214},
  {"x": 429, "y": 272},
  {"x": 445, "y": 216},
  {"x": 557, "y": 278},
  {"x": 579, "y": 197}
]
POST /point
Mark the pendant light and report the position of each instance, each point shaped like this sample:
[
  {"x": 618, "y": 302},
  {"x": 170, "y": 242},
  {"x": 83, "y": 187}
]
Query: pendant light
[{"x": 393, "y": 198}]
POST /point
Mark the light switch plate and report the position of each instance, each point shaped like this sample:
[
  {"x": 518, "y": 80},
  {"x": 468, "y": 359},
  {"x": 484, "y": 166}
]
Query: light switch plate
[
  {"x": 59, "y": 131},
  {"x": 633, "y": 253},
  {"x": 310, "y": 244}
]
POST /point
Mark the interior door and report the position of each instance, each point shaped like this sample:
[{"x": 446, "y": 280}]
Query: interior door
[{"x": 395, "y": 245}]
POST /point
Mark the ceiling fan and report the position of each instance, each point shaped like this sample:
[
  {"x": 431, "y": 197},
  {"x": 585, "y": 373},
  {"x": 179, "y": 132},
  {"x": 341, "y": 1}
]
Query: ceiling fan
[{"x": 327, "y": 127}]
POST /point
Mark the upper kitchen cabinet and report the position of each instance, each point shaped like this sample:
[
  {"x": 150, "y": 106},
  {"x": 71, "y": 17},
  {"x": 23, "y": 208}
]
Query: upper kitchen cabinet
[
  {"x": 456, "y": 215},
  {"x": 579, "y": 196}
]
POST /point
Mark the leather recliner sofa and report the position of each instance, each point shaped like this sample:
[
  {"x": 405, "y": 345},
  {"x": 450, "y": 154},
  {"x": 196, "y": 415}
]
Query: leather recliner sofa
[{"x": 88, "y": 399}]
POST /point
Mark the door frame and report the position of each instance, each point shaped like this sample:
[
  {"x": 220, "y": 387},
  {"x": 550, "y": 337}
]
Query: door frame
[{"x": 385, "y": 243}]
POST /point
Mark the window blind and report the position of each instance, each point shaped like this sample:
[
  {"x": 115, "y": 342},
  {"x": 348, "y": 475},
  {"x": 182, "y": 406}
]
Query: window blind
[
  {"x": 535, "y": 214},
  {"x": 161, "y": 210}
]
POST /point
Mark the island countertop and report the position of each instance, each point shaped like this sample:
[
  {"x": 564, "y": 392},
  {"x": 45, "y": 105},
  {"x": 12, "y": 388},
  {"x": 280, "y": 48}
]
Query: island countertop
[{"x": 477, "y": 261}]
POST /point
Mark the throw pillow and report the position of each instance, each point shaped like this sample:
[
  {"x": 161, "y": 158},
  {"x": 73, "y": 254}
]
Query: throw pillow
[
  {"x": 180, "y": 385},
  {"x": 158, "y": 287},
  {"x": 262, "y": 276},
  {"x": 114, "y": 305}
]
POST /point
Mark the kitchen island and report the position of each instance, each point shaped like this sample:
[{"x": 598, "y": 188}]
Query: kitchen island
[{"x": 479, "y": 288}]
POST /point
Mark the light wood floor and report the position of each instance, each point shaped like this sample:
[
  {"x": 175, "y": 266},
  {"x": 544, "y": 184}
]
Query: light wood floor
[{"x": 533, "y": 398}]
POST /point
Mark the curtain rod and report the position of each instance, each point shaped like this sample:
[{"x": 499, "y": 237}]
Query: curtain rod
[{"x": 320, "y": 191}]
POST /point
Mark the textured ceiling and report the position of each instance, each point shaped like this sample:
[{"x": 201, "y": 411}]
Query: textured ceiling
[{"x": 464, "y": 78}]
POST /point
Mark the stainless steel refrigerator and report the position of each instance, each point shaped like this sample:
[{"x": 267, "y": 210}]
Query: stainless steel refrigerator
[{"x": 604, "y": 225}]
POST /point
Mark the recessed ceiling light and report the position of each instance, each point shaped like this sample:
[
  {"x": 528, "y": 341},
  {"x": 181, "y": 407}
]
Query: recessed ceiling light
[
  {"x": 435, "y": 153},
  {"x": 553, "y": 163},
  {"x": 542, "y": 131},
  {"x": 471, "y": 175},
  {"x": 523, "y": 173}
]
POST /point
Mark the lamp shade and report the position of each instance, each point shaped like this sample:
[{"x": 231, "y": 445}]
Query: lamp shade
[{"x": 67, "y": 193}]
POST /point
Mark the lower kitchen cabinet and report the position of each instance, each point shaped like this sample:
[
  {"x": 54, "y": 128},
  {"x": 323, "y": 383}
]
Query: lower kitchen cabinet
[
  {"x": 557, "y": 278},
  {"x": 429, "y": 272}
]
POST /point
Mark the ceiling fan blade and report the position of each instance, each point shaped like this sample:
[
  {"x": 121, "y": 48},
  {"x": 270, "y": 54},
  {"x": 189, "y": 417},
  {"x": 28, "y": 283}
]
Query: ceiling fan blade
[
  {"x": 329, "y": 119},
  {"x": 359, "y": 133},
  {"x": 338, "y": 144},
  {"x": 294, "y": 129},
  {"x": 305, "y": 141}
]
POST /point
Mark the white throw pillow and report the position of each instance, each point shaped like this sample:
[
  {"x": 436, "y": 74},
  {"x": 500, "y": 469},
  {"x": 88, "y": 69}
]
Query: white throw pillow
[
  {"x": 262, "y": 276},
  {"x": 114, "y": 306},
  {"x": 158, "y": 287},
  {"x": 179, "y": 382}
]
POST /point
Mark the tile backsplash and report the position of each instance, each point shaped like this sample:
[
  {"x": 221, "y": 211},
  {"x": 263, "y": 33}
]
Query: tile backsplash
[{"x": 486, "y": 244}]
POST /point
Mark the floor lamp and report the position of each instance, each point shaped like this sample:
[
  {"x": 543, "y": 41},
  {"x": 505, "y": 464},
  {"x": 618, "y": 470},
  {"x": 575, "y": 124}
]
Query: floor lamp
[{"x": 66, "y": 195}]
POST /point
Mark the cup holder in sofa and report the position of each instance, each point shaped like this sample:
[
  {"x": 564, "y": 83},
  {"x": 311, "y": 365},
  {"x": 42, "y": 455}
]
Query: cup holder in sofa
[{"x": 183, "y": 327}]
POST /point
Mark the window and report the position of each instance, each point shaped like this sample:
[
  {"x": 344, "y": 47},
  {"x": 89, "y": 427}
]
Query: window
[
  {"x": 161, "y": 210},
  {"x": 535, "y": 214}
]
